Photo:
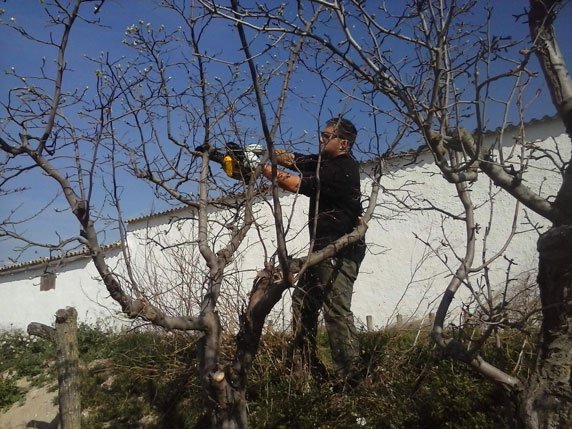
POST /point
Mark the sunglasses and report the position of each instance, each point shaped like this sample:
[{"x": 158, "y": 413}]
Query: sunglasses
[{"x": 324, "y": 136}]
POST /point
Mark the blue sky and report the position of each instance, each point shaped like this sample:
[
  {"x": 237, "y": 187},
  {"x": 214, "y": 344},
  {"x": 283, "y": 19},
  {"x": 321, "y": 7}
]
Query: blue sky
[{"x": 88, "y": 41}]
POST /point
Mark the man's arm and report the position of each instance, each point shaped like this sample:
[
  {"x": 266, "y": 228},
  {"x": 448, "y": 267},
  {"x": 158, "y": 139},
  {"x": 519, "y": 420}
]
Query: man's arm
[{"x": 289, "y": 182}]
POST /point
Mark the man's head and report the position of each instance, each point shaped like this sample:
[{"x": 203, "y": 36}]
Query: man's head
[{"x": 338, "y": 137}]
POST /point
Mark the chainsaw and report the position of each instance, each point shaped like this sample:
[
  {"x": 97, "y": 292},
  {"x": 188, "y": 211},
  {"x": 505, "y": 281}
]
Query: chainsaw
[{"x": 237, "y": 162}]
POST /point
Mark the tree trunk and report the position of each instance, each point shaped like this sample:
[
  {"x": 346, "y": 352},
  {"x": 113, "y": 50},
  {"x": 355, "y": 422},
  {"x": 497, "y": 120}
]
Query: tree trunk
[
  {"x": 65, "y": 337},
  {"x": 547, "y": 403}
]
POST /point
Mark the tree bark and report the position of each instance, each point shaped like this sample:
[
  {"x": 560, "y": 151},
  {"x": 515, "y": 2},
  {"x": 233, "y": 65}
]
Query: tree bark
[
  {"x": 64, "y": 335},
  {"x": 547, "y": 403}
]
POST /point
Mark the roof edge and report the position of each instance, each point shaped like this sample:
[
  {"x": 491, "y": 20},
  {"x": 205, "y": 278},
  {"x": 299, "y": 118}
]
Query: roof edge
[{"x": 67, "y": 257}]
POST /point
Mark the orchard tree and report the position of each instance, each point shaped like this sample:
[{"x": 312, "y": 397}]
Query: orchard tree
[
  {"x": 158, "y": 112},
  {"x": 549, "y": 393},
  {"x": 429, "y": 70},
  {"x": 438, "y": 68}
]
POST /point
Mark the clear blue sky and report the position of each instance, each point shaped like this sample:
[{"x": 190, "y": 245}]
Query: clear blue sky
[{"x": 89, "y": 41}]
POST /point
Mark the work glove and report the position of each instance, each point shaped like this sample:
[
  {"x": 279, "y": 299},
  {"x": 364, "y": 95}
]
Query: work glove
[{"x": 252, "y": 154}]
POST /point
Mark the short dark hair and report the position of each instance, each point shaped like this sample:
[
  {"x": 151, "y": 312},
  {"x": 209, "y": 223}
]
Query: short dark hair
[{"x": 345, "y": 129}]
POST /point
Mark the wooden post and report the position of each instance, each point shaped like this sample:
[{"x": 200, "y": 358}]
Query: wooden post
[
  {"x": 64, "y": 335},
  {"x": 369, "y": 323}
]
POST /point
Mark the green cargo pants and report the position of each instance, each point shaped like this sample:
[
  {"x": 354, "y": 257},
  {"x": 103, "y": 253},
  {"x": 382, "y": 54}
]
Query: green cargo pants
[{"x": 327, "y": 286}]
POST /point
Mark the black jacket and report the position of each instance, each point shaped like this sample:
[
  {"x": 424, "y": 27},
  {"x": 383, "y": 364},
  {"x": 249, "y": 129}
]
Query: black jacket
[{"x": 335, "y": 189}]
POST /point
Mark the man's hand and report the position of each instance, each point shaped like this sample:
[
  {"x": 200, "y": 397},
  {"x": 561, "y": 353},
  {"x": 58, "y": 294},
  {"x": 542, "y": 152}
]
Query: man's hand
[{"x": 284, "y": 158}]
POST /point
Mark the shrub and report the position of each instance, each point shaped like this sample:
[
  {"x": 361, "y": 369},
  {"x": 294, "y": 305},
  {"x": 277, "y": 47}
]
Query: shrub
[
  {"x": 9, "y": 392},
  {"x": 25, "y": 356},
  {"x": 408, "y": 383}
]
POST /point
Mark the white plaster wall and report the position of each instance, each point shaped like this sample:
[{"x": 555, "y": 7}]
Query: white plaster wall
[
  {"x": 396, "y": 281},
  {"x": 77, "y": 285},
  {"x": 400, "y": 274}
]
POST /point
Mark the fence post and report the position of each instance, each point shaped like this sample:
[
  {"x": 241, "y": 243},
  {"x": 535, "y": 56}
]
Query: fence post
[
  {"x": 369, "y": 323},
  {"x": 64, "y": 335}
]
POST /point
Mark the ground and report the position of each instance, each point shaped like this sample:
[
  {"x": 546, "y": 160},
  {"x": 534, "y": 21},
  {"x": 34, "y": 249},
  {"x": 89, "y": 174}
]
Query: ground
[{"x": 37, "y": 410}]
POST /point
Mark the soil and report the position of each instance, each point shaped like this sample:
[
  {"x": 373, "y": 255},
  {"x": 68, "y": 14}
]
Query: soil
[{"x": 37, "y": 410}]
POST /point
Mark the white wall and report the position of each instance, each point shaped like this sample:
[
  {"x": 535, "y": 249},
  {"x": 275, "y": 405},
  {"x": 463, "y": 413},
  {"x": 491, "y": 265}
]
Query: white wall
[
  {"x": 395, "y": 282},
  {"x": 400, "y": 274},
  {"x": 76, "y": 285}
]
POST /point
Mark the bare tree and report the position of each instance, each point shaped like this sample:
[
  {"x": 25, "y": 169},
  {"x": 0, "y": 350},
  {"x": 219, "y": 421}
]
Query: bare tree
[
  {"x": 549, "y": 393},
  {"x": 435, "y": 67},
  {"x": 425, "y": 71},
  {"x": 78, "y": 140}
]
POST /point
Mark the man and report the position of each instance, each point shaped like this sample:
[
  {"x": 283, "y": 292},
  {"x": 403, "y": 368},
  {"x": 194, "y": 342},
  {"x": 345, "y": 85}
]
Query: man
[{"x": 331, "y": 180}]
